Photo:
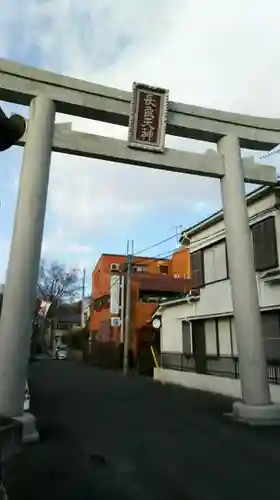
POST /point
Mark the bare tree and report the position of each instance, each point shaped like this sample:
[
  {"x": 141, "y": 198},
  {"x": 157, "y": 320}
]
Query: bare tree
[{"x": 56, "y": 284}]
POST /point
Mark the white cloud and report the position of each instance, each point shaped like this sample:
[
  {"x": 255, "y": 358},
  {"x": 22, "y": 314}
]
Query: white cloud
[
  {"x": 204, "y": 53},
  {"x": 62, "y": 246},
  {"x": 61, "y": 242}
]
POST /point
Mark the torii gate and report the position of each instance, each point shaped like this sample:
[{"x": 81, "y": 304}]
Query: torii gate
[{"x": 49, "y": 93}]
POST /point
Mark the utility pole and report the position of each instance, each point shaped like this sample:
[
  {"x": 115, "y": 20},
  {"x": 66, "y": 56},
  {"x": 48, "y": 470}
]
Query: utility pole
[
  {"x": 127, "y": 309},
  {"x": 83, "y": 299},
  {"x": 122, "y": 308}
]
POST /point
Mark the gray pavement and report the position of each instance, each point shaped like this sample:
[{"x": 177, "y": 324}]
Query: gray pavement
[{"x": 107, "y": 437}]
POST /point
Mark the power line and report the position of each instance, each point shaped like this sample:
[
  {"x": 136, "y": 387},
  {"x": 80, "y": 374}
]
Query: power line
[
  {"x": 273, "y": 151},
  {"x": 167, "y": 254},
  {"x": 252, "y": 218},
  {"x": 160, "y": 256},
  {"x": 156, "y": 244}
]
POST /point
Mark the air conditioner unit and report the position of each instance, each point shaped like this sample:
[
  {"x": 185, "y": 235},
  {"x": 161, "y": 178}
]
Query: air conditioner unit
[
  {"x": 114, "y": 266},
  {"x": 193, "y": 296}
]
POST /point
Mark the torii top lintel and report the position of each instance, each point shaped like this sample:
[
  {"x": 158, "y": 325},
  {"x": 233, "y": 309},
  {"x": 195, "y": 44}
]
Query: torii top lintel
[{"x": 20, "y": 83}]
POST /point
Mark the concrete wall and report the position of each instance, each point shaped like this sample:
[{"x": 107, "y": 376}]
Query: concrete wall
[
  {"x": 171, "y": 331},
  {"x": 218, "y": 385},
  {"x": 215, "y": 300}
]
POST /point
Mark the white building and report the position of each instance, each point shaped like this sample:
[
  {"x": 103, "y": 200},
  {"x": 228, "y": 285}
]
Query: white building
[{"x": 199, "y": 337}]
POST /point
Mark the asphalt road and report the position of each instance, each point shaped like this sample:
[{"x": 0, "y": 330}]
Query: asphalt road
[{"x": 107, "y": 437}]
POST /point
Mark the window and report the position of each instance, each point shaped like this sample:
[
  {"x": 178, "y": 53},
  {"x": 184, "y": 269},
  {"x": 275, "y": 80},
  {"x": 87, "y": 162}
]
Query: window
[
  {"x": 271, "y": 334},
  {"x": 265, "y": 244},
  {"x": 101, "y": 303},
  {"x": 187, "y": 343},
  {"x": 197, "y": 269},
  {"x": 163, "y": 269},
  {"x": 218, "y": 337},
  {"x": 225, "y": 340},
  {"x": 212, "y": 338},
  {"x": 141, "y": 269},
  {"x": 234, "y": 348},
  {"x": 215, "y": 263}
]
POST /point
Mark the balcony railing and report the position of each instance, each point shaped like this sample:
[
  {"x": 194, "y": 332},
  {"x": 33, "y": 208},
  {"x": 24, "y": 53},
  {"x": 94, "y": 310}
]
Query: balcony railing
[{"x": 220, "y": 366}]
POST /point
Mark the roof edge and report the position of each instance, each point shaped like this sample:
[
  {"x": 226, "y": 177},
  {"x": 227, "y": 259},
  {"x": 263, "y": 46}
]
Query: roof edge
[
  {"x": 169, "y": 303},
  {"x": 218, "y": 216}
]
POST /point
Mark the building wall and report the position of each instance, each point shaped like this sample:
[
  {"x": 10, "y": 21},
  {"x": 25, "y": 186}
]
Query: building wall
[
  {"x": 220, "y": 335},
  {"x": 216, "y": 298},
  {"x": 154, "y": 265},
  {"x": 101, "y": 283},
  {"x": 142, "y": 312},
  {"x": 181, "y": 263},
  {"x": 101, "y": 274},
  {"x": 215, "y": 305},
  {"x": 171, "y": 330},
  {"x": 216, "y": 232},
  {"x": 218, "y": 385}
]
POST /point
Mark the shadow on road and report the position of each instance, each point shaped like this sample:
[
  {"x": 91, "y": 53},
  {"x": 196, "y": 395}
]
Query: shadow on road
[{"x": 107, "y": 437}]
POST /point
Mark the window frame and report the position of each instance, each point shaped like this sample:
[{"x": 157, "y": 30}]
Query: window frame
[
  {"x": 213, "y": 355},
  {"x": 190, "y": 343},
  {"x": 165, "y": 266},
  {"x": 259, "y": 261},
  {"x": 201, "y": 282},
  {"x": 213, "y": 245}
]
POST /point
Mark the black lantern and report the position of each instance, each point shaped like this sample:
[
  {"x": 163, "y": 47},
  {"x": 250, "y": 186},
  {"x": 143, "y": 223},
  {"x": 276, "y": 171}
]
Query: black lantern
[{"x": 11, "y": 130}]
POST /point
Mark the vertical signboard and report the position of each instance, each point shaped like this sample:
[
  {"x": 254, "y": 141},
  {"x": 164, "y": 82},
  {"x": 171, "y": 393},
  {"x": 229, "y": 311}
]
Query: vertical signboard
[
  {"x": 115, "y": 294},
  {"x": 148, "y": 116}
]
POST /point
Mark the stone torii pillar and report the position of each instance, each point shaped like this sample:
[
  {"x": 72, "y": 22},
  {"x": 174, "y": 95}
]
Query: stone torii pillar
[
  {"x": 255, "y": 407},
  {"x": 21, "y": 280}
]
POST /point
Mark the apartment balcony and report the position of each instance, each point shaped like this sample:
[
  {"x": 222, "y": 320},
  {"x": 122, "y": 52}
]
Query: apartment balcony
[{"x": 162, "y": 283}]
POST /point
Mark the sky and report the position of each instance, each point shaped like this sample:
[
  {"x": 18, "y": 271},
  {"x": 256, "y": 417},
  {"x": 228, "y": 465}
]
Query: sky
[{"x": 204, "y": 53}]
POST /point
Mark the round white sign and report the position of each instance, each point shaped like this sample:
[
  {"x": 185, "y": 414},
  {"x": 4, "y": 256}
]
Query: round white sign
[{"x": 156, "y": 323}]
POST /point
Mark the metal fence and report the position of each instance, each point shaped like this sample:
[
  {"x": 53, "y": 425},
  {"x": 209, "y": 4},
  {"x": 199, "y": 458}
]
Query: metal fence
[{"x": 221, "y": 366}]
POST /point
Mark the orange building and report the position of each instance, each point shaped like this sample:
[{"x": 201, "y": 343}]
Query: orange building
[{"x": 153, "y": 280}]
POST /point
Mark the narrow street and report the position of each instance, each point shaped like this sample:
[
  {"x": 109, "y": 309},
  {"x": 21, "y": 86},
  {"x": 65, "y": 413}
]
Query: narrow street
[{"x": 106, "y": 437}]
